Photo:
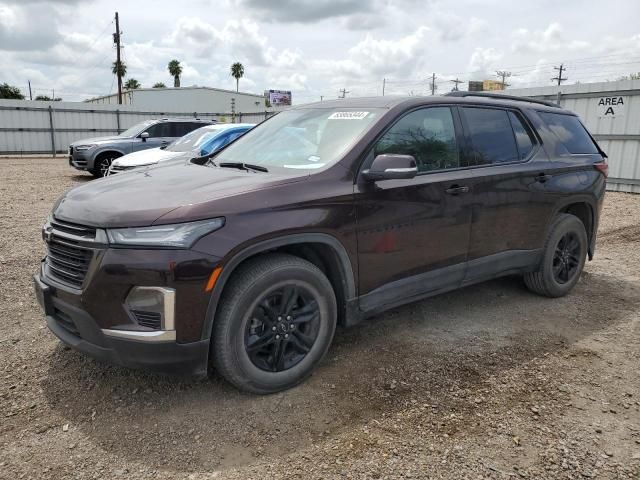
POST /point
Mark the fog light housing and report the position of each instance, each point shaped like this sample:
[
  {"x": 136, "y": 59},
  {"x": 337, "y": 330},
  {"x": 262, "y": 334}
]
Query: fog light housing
[{"x": 152, "y": 308}]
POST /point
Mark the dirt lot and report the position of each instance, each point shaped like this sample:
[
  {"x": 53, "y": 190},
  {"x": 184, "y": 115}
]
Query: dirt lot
[{"x": 486, "y": 382}]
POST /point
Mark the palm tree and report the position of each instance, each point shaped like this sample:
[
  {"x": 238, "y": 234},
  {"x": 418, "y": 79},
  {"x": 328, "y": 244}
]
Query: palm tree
[
  {"x": 122, "y": 68},
  {"x": 132, "y": 84},
  {"x": 237, "y": 72},
  {"x": 159, "y": 85},
  {"x": 175, "y": 70}
]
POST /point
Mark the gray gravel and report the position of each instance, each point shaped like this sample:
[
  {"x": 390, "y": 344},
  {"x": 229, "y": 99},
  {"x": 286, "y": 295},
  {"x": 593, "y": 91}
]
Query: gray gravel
[{"x": 486, "y": 382}]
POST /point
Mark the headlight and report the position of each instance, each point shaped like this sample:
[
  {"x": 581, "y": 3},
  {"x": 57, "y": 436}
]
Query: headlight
[
  {"x": 82, "y": 148},
  {"x": 182, "y": 235}
]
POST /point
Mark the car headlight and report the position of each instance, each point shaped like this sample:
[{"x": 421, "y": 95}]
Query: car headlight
[
  {"x": 82, "y": 148},
  {"x": 180, "y": 235}
]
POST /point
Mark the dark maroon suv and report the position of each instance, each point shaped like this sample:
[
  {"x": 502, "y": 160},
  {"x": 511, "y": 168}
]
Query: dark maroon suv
[{"x": 325, "y": 214}]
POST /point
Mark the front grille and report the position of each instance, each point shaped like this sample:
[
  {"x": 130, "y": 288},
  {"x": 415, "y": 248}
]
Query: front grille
[
  {"x": 68, "y": 259},
  {"x": 119, "y": 168},
  {"x": 88, "y": 233},
  {"x": 148, "y": 319}
]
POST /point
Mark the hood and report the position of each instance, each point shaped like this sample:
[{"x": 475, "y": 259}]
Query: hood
[
  {"x": 141, "y": 197},
  {"x": 99, "y": 140},
  {"x": 146, "y": 157}
]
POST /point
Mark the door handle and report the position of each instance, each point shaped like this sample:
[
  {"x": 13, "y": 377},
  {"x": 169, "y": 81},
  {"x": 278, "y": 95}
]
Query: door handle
[
  {"x": 456, "y": 190},
  {"x": 543, "y": 177}
]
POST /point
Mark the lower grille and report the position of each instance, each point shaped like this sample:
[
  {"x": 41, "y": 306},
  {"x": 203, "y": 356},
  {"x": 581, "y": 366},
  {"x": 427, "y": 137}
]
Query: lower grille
[
  {"x": 148, "y": 319},
  {"x": 65, "y": 322}
]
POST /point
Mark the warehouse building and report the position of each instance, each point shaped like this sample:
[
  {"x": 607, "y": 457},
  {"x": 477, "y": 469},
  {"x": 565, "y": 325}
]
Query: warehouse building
[
  {"x": 195, "y": 99},
  {"x": 611, "y": 112}
]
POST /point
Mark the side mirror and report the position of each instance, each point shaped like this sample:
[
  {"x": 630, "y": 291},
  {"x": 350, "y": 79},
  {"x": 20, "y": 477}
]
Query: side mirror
[
  {"x": 144, "y": 136},
  {"x": 391, "y": 167}
]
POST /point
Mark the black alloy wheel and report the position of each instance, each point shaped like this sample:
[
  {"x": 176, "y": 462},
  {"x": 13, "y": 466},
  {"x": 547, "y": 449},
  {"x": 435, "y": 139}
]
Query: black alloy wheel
[
  {"x": 283, "y": 328},
  {"x": 566, "y": 258}
]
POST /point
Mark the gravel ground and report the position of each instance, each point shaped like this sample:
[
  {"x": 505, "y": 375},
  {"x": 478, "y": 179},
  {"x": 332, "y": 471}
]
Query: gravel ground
[{"x": 486, "y": 382}]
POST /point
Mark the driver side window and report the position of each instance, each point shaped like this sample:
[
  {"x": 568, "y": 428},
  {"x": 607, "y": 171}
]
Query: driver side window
[{"x": 428, "y": 135}]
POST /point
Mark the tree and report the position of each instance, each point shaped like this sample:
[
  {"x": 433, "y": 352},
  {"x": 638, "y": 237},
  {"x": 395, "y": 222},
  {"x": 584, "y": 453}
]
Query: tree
[
  {"x": 159, "y": 85},
  {"x": 237, "y": 72},
  {"x": 122, "y": 68},
  {"x": 9, "y": 91},
  {"x": 175, "y": 70},
  {"x": 632, "y": 76},
  {"x": 132, "y": 84},
  {"x": 47, "y": 98}
]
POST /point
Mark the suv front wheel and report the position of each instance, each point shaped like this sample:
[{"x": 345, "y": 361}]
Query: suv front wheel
[
  {"x": 102, "y": 164},
  {"x": 563, "y": 258},
  {"x": 275, "y": 323}
]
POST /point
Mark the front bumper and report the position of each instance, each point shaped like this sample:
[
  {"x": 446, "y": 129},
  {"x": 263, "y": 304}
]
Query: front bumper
[
  {"x": 80, "y": 160},
  {"x": 77, "y": 329}
]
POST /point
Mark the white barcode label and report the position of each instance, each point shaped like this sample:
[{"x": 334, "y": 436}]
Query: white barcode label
[{"x": 348, "y": 115}]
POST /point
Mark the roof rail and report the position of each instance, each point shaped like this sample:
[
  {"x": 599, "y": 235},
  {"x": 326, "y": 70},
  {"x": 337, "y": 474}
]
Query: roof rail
[{"x": 500, "y": 96}]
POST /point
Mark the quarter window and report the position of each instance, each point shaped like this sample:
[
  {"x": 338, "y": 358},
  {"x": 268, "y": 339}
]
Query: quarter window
[
  {"x": 491, "y": 136},
  {"x": 428, "y": 135},
  {"x": 570, "y": 132}
]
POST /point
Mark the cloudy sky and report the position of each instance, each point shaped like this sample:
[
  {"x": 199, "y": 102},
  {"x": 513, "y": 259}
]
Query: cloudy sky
[{"x": 315, "y": 47}]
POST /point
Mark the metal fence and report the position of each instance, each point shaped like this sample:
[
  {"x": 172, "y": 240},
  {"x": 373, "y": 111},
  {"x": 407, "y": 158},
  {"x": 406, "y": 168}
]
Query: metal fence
[{"x": 28, "y": 128}]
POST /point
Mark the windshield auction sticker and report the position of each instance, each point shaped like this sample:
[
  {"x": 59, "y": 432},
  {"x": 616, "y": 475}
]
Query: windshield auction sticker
[{"x": 348, "y": 115}]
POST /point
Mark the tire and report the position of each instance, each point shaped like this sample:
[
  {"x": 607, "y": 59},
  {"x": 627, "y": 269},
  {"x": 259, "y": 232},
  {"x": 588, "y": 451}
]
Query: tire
[
  {"x": 249, "y": 314},
  {"x": 102, "y": 164},
  {"x": 552, "y": 279}
]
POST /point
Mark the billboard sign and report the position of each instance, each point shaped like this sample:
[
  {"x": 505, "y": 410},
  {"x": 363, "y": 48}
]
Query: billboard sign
[{"x": 279, "y": 98}]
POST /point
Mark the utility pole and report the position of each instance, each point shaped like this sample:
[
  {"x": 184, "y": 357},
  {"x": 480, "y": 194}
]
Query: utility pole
[
  {"x": 433, "y": 85},
  {"x": 559, "y": 78},
  {"x": 116, "y": 40},
  {"x": 455, "y": 84},
  {"x": 343, "y": 93},
  {"x": 384, "y": 81},
  {"x": 503, "y": 74},
  {"x": 30, "y": 95}
]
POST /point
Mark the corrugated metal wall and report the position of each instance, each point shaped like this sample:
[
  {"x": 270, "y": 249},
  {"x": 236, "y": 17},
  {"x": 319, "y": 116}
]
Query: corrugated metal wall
[
  {"x": 618, "y": 134},
  {"x": 26, "y": 126}
]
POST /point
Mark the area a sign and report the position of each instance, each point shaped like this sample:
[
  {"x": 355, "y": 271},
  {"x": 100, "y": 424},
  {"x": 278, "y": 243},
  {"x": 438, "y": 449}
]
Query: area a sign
[{"x": 610, "y": 107}]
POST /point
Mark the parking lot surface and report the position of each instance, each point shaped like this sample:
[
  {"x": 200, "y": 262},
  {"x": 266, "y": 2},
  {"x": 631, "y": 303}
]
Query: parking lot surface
[{"x": 489, "y": 381}]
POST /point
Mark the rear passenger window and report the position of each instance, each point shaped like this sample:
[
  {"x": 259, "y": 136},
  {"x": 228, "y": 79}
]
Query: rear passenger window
[
  {"x": 428, "y": 134},
  {"x": 524, "y": 139},
  {"x": 570, "y": 132},
  {"x": 160, "y": 130},
  {"x": 491, "y": 136}
]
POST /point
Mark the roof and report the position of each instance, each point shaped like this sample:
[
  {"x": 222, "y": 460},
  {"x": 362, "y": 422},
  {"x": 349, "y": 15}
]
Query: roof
[
  {"x": 411, "y": 101},
  {"x": 173, "y": 89}
]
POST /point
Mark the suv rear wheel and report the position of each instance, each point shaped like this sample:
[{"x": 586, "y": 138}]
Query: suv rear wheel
[
  {"x": 102, "y": 163},
  {"x": 563, "y": 258},
  {"x": 275, "y": 323}
]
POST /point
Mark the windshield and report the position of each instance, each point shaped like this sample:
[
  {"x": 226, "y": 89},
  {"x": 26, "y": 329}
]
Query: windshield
[
  {"x": 191, "y": 141},
  {"x": 136, "y": 129},
  {"x": 305, "y": 139}
]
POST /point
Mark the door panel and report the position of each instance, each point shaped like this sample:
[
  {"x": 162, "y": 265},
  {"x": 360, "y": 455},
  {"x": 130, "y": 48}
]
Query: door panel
[
  {"x": 511, "y": 206},
  {"x": 409, "y": 227},
  {"x": 413, "y": 235}
]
